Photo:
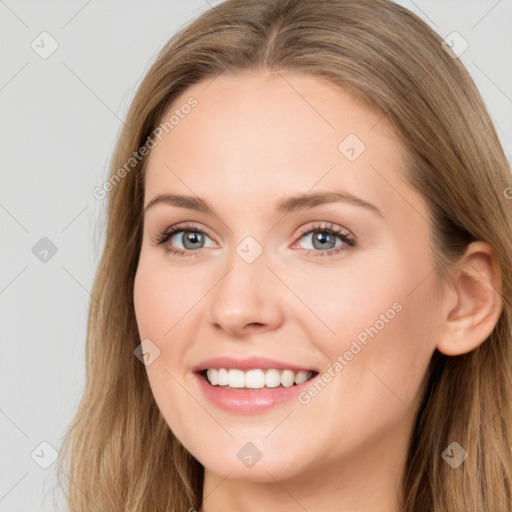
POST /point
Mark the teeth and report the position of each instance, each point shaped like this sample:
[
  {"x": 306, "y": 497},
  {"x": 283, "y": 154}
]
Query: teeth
[
  {"x": 256, "y": 379},
  {"x": 223, "y": 377},
  {"x": 236, "y": 378},
  {"x": 272, "y": 378},
  {"x": 287, "y": 378},
  {"x": 302, "y": 377}
]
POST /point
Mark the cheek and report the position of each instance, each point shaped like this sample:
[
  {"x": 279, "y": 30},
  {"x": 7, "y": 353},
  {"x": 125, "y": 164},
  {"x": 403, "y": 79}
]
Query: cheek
[
  {"x": 152, "y": 306},
  {"x": 383, "y": 329},
  {"x": 348, "y": 299},
  {"x": 162, "y": 296},
  {"x": 167, "y": 303},
  {"x": 161, "y": 304}
]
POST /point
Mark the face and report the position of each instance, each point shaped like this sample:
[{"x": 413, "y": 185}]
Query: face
[{"x": 339, "y": 285}]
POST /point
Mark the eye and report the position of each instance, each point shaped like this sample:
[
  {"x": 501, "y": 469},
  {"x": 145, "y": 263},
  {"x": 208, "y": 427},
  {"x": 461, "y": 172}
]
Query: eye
[
  {"x": 191, "y": 239},
  {"x": 323, "y": 238}
]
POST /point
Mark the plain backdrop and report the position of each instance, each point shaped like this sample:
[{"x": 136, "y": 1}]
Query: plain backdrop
[{"x": 60, "y": 117}]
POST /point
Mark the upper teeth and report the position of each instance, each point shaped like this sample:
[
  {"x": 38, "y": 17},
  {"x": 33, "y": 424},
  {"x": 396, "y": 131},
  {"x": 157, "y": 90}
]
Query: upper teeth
[{"x": 256, "y": 378}]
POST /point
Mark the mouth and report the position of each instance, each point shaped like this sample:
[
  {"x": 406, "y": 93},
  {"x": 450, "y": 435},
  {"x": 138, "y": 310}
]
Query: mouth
[
  {"x": 251, "y": 385},
  {"x": 255, "y": 379}
]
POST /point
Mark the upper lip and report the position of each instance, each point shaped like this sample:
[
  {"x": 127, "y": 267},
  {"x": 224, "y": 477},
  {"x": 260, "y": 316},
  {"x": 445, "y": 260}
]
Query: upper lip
[{"x": 250, "y": 363}]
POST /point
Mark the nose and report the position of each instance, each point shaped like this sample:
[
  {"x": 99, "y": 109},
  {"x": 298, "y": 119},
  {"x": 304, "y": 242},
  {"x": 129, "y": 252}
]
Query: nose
[{"x": 246, "y": 299}]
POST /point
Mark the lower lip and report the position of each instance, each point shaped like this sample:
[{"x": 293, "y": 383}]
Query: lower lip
[{"x": 248, "y": 401}]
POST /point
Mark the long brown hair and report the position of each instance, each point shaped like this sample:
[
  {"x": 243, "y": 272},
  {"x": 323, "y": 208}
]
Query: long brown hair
[{"x": 122, "y": 454}]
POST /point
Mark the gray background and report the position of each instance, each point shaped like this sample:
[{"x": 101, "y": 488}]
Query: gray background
[{"x": 60, "y": 119}]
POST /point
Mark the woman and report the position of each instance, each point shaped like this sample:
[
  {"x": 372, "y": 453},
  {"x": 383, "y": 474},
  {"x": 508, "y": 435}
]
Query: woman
[{"x": 231, "y": 368}]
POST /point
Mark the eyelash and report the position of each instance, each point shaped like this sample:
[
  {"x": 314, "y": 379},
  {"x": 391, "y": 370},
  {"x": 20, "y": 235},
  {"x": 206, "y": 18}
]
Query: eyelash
[{"x": 163, "y": 237}]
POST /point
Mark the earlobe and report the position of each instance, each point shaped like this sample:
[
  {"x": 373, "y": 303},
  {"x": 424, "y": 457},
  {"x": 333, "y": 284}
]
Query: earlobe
[{"x": 473, "y": 302}]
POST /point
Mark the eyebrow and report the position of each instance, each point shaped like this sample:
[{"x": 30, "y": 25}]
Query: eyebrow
[{"x": 285, "y": 205}]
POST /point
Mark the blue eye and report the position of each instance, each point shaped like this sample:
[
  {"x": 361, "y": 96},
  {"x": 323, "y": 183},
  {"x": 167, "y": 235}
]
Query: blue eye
[
  {"x": 191, "y": 235},
  {"x": 322, "y": 237}
]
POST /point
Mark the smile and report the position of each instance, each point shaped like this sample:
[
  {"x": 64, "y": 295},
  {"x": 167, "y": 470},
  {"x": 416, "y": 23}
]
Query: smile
[
  {"x": 255, "y": 378},
  {"x": 240, "y": 398}
]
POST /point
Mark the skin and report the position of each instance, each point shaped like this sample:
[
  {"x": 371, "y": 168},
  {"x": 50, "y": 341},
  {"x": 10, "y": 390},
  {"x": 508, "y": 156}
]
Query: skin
[{"x": 252, "y": 139}]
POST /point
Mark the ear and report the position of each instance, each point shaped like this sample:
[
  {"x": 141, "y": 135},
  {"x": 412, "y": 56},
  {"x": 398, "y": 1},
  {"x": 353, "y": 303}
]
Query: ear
[{"x": 472, "y": 303}]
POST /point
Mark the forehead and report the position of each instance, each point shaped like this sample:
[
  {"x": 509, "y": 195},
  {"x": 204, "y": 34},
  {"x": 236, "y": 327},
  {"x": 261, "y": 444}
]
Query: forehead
[{"x": 255, "y": 136}]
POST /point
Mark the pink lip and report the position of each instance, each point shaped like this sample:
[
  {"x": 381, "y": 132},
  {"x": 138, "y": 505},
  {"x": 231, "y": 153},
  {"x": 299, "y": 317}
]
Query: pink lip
[
  {"x": 251, "y": 363},
  {"x": 248, "y": 401}
]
